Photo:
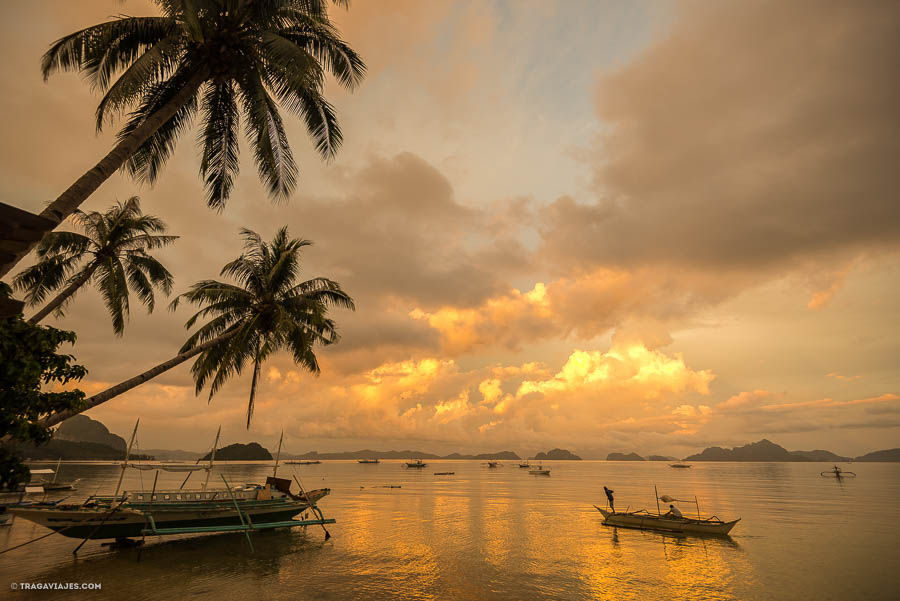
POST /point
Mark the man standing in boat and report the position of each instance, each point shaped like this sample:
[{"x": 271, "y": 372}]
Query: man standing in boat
[{"x": 609, "y": 497}]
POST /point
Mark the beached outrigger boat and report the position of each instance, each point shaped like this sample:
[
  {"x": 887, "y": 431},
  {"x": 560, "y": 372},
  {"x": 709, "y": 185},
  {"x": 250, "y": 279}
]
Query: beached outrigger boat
[
  {"x": 156, "y": 512},
  {"x": 666, "y": 522}
]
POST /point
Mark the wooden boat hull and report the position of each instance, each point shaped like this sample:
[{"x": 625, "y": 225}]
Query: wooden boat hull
[
  {"x": 539, "y": 472},
  {"x": 132, "y": 518},
  {"x": 646, "y": 521}
]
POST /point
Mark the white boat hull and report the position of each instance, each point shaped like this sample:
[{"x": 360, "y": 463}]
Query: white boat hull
[{"x": 647, "y": 521}]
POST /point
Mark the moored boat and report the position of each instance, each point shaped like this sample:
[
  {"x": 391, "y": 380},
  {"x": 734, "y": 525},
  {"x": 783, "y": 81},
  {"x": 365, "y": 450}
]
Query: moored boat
[
  {"x": 680, "y": 465},
  {"x": 418, "y": 463},
  {"x": 645, "y": 520},
  {"x": 156, "y": 512},
  {"x": 539, "y": 470},
  {"x": 368, "y": 461}
]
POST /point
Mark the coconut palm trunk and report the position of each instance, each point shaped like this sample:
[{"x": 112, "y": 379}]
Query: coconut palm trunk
[
  {"x": 122, "y": 387},
  {"x": 65, "y": 294},
  {"x": 85, "y": 185}
]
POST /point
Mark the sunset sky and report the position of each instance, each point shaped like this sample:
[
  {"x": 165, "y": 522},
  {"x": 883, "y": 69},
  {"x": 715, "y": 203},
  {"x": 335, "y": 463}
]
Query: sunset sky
[{"x": 603, "y": 226}]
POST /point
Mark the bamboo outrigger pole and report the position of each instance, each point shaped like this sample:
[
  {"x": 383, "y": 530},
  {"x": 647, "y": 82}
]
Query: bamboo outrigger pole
[
  {"x": 212, "y": 457},
  {"x": 127, "y": 455},
  {"x": 278, "y": 455}
]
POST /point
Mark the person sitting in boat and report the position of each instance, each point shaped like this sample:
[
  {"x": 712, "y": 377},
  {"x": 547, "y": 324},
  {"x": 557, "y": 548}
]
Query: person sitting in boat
[
  {"x": 609, "y": 496},
  {"x": 673, "y": 512}
]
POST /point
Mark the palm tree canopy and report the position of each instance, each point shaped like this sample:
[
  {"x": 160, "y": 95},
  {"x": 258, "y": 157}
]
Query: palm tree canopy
[
  {"x": 243, "y": 58},
  {"x": 111, "y": 253},
  {"x": 264, "y": 311}
]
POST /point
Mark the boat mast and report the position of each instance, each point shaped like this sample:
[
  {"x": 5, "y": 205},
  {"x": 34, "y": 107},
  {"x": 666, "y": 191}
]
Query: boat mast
[
  {"x": 127, "y": 455},
  {"x": 656, "y": 495},
  {"x": 55, "y": 474},
  {"x": 278, "y": 455},
  {"x": 212, "y": 457}
]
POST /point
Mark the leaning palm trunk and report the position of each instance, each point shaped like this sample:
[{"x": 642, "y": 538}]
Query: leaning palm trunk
[
  {"x": 65, "y": 294},
  {"x": 114, "y": 391},
  {"x": 85, "y": 185}
]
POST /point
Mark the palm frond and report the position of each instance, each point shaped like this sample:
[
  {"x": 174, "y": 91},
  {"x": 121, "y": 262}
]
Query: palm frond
[{"x": 219, "y": 139}]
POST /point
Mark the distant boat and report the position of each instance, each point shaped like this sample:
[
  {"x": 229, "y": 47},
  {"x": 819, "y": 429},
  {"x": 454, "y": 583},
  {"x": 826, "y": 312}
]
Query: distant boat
[
  {"x": 525, "y": 465},
  {"x": 539, "y": 470},
  {"x": 303, "y": 462},
  {"x": 493, "y": 464},
  {"x": 680, "y": 465},
  {"x": 837, "y": 473},
  {"x": 368, "y": 461},
  {"x": 445, "y": 473},
  {"x": 417, "y": 463}
]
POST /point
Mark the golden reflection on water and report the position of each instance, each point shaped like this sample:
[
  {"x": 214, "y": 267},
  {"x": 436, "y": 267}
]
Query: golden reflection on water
[{"x": 501, "y": 534}]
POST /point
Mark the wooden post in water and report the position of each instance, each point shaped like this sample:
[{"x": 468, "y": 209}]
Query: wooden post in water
[{"x": 127, "y": 455}]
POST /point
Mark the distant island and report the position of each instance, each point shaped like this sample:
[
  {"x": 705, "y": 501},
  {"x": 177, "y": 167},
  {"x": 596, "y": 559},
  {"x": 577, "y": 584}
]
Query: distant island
[
  {"x": 370, "y": 454},
  {"x": 241, "y": 452},
  {"x": 557, "y": 455},
  {"x": 80, "y": 438},
  {"x": 887, "y": 455},
  {"x": 624, "y": 457},
  {"x": 766, "y": 450}
]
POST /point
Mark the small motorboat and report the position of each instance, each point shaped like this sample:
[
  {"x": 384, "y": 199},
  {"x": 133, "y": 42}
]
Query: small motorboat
[
  {"x": 418, "y": 463},
  {"x": 493, "y": 464},
  {"x": 303, "y": 462},
  {"x": 525, "y": 464},
  {"x": 368, "y": 461},
  {"x": 445, "y": 473},
  {"x": 539, "y": 470},
  {"x": 680, "y": 465}
]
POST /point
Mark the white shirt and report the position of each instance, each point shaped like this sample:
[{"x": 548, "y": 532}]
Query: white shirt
[{"x": 675, "y": 512}]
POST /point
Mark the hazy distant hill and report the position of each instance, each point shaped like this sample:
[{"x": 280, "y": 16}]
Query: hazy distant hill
[
  {"x": 370, "y": 454},
  {"x": 557, "y": 455},
  {"x": 886, "y": 455},
  {"x": 764, "y": 450},
  {"x": 820, "y": 455},
  {"x": 70, "y": 450},
  {"x": 502, "y": 455},
  {"x": 624, "y": 457},
  {"x": 81, "y": 428},
  {"x": 241, "y": 452}
]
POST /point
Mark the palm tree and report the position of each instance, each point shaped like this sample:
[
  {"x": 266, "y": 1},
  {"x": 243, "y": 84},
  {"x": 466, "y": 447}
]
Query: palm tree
[
  {"x": 112, "y": 254},
  {"x": 267, "y": 310},
  {"x": 226, "y": 59}
]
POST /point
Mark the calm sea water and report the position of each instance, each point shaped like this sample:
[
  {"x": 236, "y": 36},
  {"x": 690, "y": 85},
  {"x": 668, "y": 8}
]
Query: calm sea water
[{"x": 504, "y": 534}]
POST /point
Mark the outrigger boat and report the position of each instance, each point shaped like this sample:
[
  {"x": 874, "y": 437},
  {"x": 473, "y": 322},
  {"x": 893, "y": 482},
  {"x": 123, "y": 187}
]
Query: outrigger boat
[
  {"x": 303, "y": 462},
  {"x": 493, "y": 463},
  {"x": 368, "y": 461},
  {"x": 539, "y": 471},
  {"x": 837, "y": 473},
  {"x": 680, "y": 465},
  {"x": 417, "y": 463},
  {"x": 666, "y": 522},
  {"x": 241, "y": 508},
  {"x": 525, "y": 465},
  {"x": 54, "y": 484}
]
